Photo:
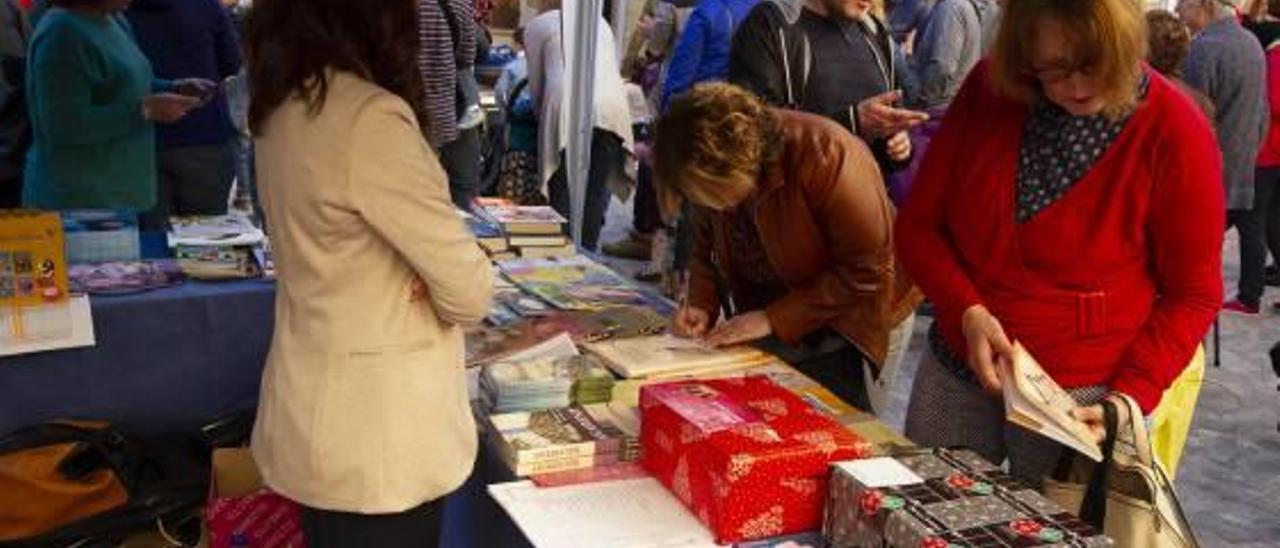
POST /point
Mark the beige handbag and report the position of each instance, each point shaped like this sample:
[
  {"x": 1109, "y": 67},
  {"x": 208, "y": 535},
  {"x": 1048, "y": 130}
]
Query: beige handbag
[{"x": 1129, "y": 495}]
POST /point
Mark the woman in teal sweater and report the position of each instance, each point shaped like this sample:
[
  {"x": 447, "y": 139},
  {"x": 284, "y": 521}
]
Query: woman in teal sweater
[{"x": 93, "y": 102}]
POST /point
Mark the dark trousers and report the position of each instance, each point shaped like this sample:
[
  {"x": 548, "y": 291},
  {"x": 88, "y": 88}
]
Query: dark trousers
[
  {"x": 194, "y": 180},
  {"x": 830, "y": 361},
  {"x": 648, "y": 219},
  {"x": 11, "y": 192},
  {"x": 416, "y": 528},
  {"x": 646, "y": 216},
  {"x": 1259, "y": 230},
  {"x": 606, "y": 160},
  {"x": 461, "y": 160}
]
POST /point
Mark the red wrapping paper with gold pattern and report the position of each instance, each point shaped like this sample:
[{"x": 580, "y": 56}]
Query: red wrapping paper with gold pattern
[{"x": 747, "y": 456}]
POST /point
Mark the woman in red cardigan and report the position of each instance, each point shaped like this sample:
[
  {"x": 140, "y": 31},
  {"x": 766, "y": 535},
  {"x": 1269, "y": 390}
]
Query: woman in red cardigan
[{"x": 1072, "y": 202}]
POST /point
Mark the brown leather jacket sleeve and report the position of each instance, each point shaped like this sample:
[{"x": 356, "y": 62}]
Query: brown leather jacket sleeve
[
  {"x": 703, "y": 293},
  {"x": 846, "y": 192}
]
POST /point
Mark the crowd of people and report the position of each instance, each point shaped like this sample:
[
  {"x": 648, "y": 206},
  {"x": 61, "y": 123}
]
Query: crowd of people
[{"x": 1053, "y": 174}]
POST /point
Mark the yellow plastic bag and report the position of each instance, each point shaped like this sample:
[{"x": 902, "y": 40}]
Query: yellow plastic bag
[{"x": 1171, "y": 421}]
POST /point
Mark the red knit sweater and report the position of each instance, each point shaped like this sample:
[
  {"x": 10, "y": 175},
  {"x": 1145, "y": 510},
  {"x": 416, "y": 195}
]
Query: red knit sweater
[{"x": 1117, "y": 282}]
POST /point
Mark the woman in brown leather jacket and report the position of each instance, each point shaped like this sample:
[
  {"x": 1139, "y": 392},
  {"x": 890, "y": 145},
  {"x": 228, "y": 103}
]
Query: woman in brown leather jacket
[{"x": 793, "y": 238}]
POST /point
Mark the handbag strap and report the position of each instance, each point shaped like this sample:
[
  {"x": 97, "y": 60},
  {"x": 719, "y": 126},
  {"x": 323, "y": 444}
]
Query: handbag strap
[
  {"x": 1141, "y": 437},
  {"x": 1094, "y": 508}
]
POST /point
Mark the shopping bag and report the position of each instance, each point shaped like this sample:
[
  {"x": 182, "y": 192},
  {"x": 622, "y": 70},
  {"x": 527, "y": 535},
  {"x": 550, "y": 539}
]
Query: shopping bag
[{"x": 1171, "y": 420}]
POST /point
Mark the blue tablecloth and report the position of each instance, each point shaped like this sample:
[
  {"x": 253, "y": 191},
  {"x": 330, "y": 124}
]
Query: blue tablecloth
[
  {"x": 166, "y": 360},
  {"x": 174, "y": 359}
]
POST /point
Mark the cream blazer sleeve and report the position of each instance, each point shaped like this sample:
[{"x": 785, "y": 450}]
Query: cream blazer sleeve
[{"x": 405, "y": 198}]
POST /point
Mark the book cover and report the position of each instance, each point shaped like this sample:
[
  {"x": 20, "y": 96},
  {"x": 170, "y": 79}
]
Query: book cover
[
  {"x": 521, "y": 220},
  {"x": 488, "y": 344},
  {"x": 663, "y": 354},
  {"x": 568, "y": 250},
  {"x": 578, "y": 283},
  {"x": 1033, "y": 400}
]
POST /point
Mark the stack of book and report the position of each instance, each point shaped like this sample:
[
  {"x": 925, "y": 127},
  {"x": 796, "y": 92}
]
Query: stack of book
[
  {"x": 545, "y": 383},
  {"x": 563, "y": 439},
  {"x": 216, "y": 248},
  {"x": 535, "y": 232},
  {"x": 490, "y": 238}
]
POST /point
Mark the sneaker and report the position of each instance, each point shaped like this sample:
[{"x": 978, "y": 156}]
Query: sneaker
[
  {"x": 634, "y": 247},
  {"x": 1241, "y": 308},
  {"x": 1272, "y": 276}
]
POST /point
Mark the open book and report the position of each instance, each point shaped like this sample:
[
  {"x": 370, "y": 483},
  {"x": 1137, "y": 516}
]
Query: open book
[
  {"x": 660, "y": 355},
  {"x": 1033, "y": 400}
]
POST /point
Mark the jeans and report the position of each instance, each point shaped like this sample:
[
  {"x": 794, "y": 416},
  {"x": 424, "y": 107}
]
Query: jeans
[
  {"x": 194, "y": 180},
  {"x": 461, "y": 160},
  {"x": 1259, "y": 230},
  {"x": 606, "y": 160},
  {"x": 416, "y": 528}
]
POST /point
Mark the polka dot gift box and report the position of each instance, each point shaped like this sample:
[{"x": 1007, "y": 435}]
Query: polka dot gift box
[
  {"x": 944, "y": 499},
  {"x": 747, "y": 457}
]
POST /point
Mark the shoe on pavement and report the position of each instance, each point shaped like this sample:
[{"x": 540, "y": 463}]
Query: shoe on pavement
[
  {"x": 1241, "y": 308},
  {"x": 636, "y": 248}
]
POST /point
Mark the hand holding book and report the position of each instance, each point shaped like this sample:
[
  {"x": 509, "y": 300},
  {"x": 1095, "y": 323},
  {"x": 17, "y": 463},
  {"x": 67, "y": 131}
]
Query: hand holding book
[
  {"x": 1092, "y": 417},
  {"x": 1033, "y": 400}
]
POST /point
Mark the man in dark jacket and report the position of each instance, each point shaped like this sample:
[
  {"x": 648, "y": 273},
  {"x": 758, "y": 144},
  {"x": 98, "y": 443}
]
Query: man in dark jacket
[
  {"x": 197, "y": 156},
  {"x": 833, "y": 58},
  {"x": 14, "y": 130}
]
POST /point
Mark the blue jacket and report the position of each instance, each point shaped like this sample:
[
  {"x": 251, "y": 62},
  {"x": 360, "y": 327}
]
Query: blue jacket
[
  {"x": 703, "y": 50},
  {"x": 189, "y": 39}
]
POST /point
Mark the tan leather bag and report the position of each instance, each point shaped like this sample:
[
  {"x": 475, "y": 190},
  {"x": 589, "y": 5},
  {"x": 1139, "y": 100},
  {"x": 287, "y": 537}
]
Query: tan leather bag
[
  {"x": 1129, "y": 495},
  {"x": 56, "y": 474}
]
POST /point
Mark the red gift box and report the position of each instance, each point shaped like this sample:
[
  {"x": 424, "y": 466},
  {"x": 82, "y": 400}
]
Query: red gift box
[
  {"x": 747, "y": 456},
  {"x": 240, "y": 505}
]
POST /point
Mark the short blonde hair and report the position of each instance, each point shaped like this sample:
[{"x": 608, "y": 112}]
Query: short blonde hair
[
  {"x": 1108, "y": 36},
  {"x": 712, "y": 146}
]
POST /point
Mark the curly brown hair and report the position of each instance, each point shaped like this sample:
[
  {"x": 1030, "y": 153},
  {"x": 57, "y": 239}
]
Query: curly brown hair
[
  {"x": 292, "y": 45},
  {"x": 712, "y": 145},
  {"x": 1168, "y": 41}
]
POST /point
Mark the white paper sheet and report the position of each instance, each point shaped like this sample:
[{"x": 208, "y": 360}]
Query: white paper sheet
[
  {"x": 635, "y": 513},
  {"x": 880, "y": 472},
  {"x": 44, "y": 328}
]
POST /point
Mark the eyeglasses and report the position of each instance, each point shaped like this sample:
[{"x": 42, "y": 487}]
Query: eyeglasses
[{"x": 1059, "y": 74}]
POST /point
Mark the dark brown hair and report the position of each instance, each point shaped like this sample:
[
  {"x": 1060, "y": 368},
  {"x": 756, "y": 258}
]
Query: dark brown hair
[
  {"x": 1168, "y": 40},
  {"x": 1108, "y": 36},
  {"x": 292, "y": 44},
  {"x": 712, "y": 146}
]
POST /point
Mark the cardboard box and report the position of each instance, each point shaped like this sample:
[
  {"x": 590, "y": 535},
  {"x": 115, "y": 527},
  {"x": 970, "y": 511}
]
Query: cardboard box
[
  {"x": 747, "y": 456},
  {"x": 240, "y": 504},
  {"x": 940, "y": 498}
]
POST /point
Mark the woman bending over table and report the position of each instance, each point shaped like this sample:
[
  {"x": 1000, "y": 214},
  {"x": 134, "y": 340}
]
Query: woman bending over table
[
  {"x": 1071, "y": 202},
  {"x": 364, "y": 418},
  {"x": 793, "y": 228}
]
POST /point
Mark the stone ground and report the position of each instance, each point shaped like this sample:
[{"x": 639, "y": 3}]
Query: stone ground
[{"x": 1229, "y": 479}]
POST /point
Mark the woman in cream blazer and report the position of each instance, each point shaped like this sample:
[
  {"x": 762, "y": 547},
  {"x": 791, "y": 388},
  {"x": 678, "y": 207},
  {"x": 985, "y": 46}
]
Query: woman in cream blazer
[{"x": 364, "y": 417}]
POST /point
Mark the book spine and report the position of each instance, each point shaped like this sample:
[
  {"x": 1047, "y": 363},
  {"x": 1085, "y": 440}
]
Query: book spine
[
  {"x": 562, "y": 464},
  {"x": 556, "y": 452}
]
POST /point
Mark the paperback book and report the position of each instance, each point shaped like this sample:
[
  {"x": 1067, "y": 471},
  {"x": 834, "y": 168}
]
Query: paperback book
[
  {"x": 556, "y": 440},
  {"x": 578, "y": 283},
  {"x": 1033, "y": 400}
]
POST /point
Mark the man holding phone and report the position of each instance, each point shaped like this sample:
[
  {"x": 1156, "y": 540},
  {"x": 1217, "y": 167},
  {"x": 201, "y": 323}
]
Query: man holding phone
[
  {"x": 833, "y": 58},
  {"x": 196, "y": 157}
]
